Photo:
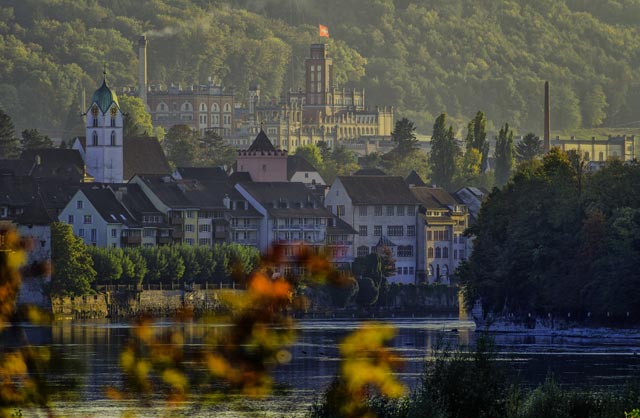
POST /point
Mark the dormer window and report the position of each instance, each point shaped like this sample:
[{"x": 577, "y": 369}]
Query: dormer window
[{"x": 94, "y": 138}]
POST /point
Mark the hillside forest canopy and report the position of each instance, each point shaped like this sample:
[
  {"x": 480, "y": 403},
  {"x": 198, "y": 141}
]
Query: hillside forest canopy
[{"x": 425, "y": 58}]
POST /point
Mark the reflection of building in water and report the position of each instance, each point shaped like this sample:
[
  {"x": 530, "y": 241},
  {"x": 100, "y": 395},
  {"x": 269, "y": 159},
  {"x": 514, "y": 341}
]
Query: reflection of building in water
[{"x": 323, "y": 112}]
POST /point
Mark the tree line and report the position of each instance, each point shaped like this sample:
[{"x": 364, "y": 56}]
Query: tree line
[
  {"x": 77, "y": 268},
  {"x": 559, "y": 239}
]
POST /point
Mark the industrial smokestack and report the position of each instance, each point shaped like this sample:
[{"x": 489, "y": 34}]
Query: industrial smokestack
[
  {"x": 547, "y": 118},
  {"x": 142, "y": 76}
]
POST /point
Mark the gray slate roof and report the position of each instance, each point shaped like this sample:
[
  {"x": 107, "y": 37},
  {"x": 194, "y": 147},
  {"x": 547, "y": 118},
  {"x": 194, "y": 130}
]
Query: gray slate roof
[
  {"x": 296, "y": 164},
  {"x": 203, "y": 173},
  {"x": 433, "y": 197},
  {"x": 262, "y": 144},
  {"x": 284, "y": 199},
  {"x": 378, "y": 190},
  {"x": 104, "y": 200}
]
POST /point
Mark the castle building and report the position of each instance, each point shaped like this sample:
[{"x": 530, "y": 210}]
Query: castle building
[
  {"x": 201, "y": 107},
  {"x": 323, "y": 112}
]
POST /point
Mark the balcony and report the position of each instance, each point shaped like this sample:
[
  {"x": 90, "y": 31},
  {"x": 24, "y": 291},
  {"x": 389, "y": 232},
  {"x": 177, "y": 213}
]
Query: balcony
[
  {"x": 220, "y": 234},
  {"x": 164, "y": 240},
  {"x": 175, "y": 220},
  {"x": 131, "y": 240},
  {"x": 177, "y": 234},
  {"x": 340, "y": 243}
]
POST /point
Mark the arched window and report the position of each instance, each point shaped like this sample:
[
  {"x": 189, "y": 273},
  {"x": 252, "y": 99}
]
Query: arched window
[
  {"x": 430, "y": 270},
  {"x": 430, "y": 252},
  {"x": 363, "y": 251},
  {"x": 94, "y": 138},
  {"x": 445, "y": 270},
  {"x": 227, "y": 107},
  {"x": 445, "y": 252},
  {"x": 203, "y": 107},
  {"x": 438, "y": 252},
  {"x": 113, "y": 138},
  {"x": 215, "y": 108}
]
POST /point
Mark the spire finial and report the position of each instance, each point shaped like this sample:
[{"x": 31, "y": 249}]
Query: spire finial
[{"x": 104, "y": 72}]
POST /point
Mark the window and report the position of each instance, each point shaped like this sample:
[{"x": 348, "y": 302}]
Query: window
[
  {"x": 94, "y": 139},
  {"x": 113, "y": 122},
  {"x": 455, "y": 254},
  {"x": 411, "y": 230},
  {"x": 227, "y": 107},
  {"x": 363, "y": 251},
  {"x": 363, "y": 230},
  {"x": 377, "y": 230},
  {"x": 390, "y": 210},
  {"x": 191, "y": 214},
  {"x": 400, "y": 210},
  {"x": 395, "y": 230},
  {"x": 330, "y": 208},
  {"x": 149, "y": 233},
  {"x": 445, "y": 252},
  {"x": 405, "y": 270},
  {"x": 362, "y": 210},
  {"x": 438, "y": 252},
  {"x": 70, "y": 219},
  {"x": 410, "y": 270},
  {"x": 429, "y": 236},
  {"x": 79, "y": 204},
  {"x": 95, "y": 122},
  {"x": 189, "y": 241},
  {"x": 87, "y": 219},
  {"x": 399, "y": 271},
  {"x": 455, "y": 238},
  {"x": 114, "y": 233},
  {"x": 340, "y": 210},
  {"x": 81, "y": 232},
  {"x": 204, "y": 241},
  {"x": 405, "y": 251},
  {"x": 203, "y": 107},
  {"x": 430, "y": 252},
  {"x": 188, "y": 228},
  {"x": 204, "y": 228},
  {"x": 378, "y": 211},
  {"x": 94, "y": 235},
  {"x": 113, "y": 138}
]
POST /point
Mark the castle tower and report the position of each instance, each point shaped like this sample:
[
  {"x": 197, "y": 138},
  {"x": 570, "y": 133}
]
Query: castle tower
[
  {"x": 319, "y": 75},
  {"x": 104, "y": 141}
]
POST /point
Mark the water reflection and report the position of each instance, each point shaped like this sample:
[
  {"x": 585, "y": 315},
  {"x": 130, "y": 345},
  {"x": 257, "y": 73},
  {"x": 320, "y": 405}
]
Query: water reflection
[{"x": 89, "y": 355}]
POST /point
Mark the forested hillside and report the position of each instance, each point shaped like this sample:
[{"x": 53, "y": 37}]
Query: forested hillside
[{"x": 424, "y": 57}]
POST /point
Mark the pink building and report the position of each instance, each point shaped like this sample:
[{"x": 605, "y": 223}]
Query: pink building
[{"x": 262, "y": 161}]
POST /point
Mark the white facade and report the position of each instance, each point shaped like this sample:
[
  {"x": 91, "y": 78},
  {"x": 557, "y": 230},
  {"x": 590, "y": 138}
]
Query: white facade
[
  {"x": 395, "y": 222},
  {"x": 88, "y": 224},
  {"x": 307, "y": 177}
]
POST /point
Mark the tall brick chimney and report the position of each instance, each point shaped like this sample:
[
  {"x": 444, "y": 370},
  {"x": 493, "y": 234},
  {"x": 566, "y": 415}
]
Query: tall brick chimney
[
  {"x": 547, "y": 118},
  {"x": 142, "y": 72}
]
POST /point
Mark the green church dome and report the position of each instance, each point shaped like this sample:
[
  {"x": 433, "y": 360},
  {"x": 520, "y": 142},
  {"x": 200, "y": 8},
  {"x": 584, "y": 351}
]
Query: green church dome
[{"x": 104, "y": 97}]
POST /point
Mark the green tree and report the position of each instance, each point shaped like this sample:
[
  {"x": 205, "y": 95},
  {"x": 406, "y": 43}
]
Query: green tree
[
  {"x": 107, "y": 263},
  {"x": 9, "y": 147},
  {"x": 311, "y": 153},
  {"x": 404, "y": 135},
  {"x": 215, "y": 151},
  {"x": 477, "y": 137},
  {"x": 594, "y": 106},
  {"x": 156, "y": 263},
  {"x": 444, "y": 152},
  {"x": 137, "y": 121},
  {"x": 32, "y": 139},
  {"x": 181, "y": 145},
  {"x": 529, "y": 148},
  {"x": 174, "y": 268},
  {"x": 504, "y": 155},
  {"x": 138, "y": 267},
  {"x": 72, "y": 265}
]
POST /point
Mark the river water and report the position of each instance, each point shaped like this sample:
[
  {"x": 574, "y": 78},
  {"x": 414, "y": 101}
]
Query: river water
[{"x": 88, "y": 355}]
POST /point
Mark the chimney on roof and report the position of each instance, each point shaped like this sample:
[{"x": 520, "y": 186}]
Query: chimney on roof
[{"x": 547, "y": 118}]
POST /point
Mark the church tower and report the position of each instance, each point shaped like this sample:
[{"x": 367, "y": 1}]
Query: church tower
[{"x": 104, "y": 145}]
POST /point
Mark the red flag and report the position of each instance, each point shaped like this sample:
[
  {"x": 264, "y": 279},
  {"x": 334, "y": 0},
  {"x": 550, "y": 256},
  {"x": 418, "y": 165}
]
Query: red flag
[{"x": 324, "y": 31}]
